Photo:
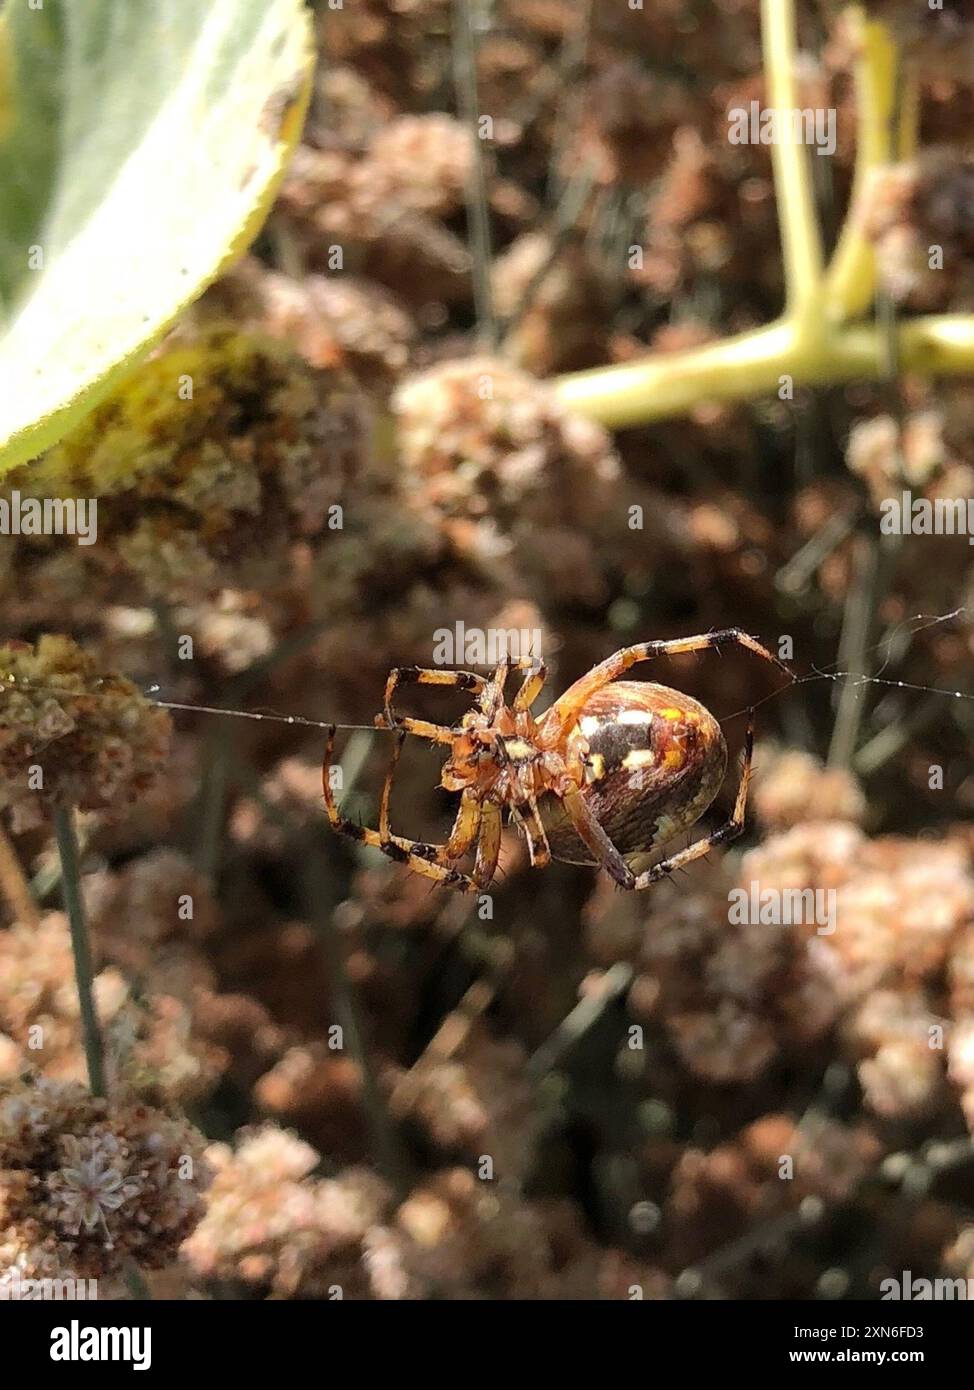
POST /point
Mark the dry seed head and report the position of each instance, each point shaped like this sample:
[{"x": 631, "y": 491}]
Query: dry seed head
[
  {"x": 71, "y": 735},
  {"x": 86, "y": 1184}
]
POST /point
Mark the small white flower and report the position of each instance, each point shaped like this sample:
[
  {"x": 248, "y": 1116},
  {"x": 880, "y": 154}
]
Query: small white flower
[{"x": 90, "y": 1183}]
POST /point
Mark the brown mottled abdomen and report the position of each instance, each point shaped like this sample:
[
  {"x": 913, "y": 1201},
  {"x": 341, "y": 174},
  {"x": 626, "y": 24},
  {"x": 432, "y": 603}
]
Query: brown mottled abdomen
[{"x": 657, "y": 759}]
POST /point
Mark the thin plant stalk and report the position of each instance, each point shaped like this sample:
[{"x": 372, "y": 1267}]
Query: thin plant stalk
[{"x": 67, "y": 844}]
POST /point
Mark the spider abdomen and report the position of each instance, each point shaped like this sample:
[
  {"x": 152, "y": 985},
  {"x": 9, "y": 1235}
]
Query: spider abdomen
[{"x": 655, "y": 760}]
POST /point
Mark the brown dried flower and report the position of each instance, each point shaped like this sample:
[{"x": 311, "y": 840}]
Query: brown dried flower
[
  {"x": 86, "y": 1184},
  {"x": 71, "y": 735},
  {"x": 920, "y": 216},
  {"x": 209, "y": 464}
]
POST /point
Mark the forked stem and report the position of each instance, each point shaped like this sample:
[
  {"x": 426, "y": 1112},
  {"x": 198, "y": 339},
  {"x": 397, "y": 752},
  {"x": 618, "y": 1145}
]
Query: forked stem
[
  {"x": 850, "y": 283},
  {"x": 812, "y": 344}
]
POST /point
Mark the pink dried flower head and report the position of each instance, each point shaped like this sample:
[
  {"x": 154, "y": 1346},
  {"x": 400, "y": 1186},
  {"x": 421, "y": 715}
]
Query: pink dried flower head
[
  {"x": 339, "y": 320},
  {"x": 71, "y": 734},
  {"x": 504, "y": 467},
  {"x": 91, "y": 1182},
  {"x": 420, "y": 162},
  {"x": 272, "y": 1226},
  {"x": 887, "y": 456},
  {"x": 920, "y": 216},
  {"x": 795, "y": 787},
  {"x": 900, "y": 904}
]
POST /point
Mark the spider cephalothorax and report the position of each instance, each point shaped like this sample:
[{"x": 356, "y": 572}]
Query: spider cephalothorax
[{"x": 610, "y": 773}]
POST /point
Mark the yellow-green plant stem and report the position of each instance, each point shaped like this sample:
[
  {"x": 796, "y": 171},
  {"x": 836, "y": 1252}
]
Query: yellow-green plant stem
[
  {"x": 84, "y": 976},
  {"x": 850, "y": 282},
  {"x": 754, "y": 364},
  {"x": 812, "y": 344},
  {"x": 800, "y": 241}
]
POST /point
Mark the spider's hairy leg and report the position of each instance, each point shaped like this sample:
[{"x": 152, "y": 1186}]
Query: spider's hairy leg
[
  {"x": 592, "y": 835},
  {"x": 488, "y": 845},
  {"x": 576, "y": 696},
  {"x": 465, "y": 826},
  {"x": 492, "y": 697},
  {"x": 421, "y": 858},
  {"x": 384, "y": 828},
  {"x": 727, "y": 832},
  {"x": 529, "y": 819},
  {"x": 422, "y": 675},
  {"x": 531, "y": 686}
]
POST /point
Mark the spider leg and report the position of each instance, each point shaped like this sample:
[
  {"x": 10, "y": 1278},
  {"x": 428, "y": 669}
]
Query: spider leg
[
  {"x": 488, "y": 845},
  {"x": 727, "y": 832},
  {"x": 493, "y": 692},
  {"x": 421, "y": 858},
  {"x": 538, "y": 837},
  {"x": 576, "y": 696},
  {"x": 593, "y": 836},
  {"x": 421, "y": 675},
  {"x": 384, "y": 828},
  {"x": 465, "y": 827},
  {"x": 531, "y": 687},
  {"x": 534, "y": 832}
]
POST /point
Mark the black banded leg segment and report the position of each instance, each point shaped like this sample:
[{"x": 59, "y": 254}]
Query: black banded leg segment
[
  {"x": 616, "y": 666},
  {"x": 465, "y": 827},
  {"x": 730, "y": 830},
  {"x": 422, "y": 675},
  {"x": 529, "y": 818},
  {"x": 421, "y": 858}
]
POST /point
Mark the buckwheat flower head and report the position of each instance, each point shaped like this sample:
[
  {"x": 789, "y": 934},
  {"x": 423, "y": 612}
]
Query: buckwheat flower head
[
  {"x": 796, "y": 787},
  {"x": 90, "y": 1183},
  {"x": 915, "y": 207},
  {"x": 72, "y": 735},
  {"x": 477, "y": 437},
  {"x": 271, "y": 1225},
  {"x": 210, "y": 465},
  {"x": 506, "y": 471}
]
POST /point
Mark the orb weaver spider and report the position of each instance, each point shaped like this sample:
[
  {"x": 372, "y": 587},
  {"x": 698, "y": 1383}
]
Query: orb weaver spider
[{"x": 610, "y": 773}]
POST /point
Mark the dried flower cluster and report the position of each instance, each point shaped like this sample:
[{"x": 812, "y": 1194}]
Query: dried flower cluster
[
  {"x": 85, "y": 1185},
  {"x": 920, "y": 217},
  {"x": 71, "y": 735},
  {"x": 555, "y": 1090},
  {"x": 208, "y": 467}
]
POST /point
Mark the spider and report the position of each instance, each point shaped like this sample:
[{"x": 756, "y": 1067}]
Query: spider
[{"x": 608, "y": 775}]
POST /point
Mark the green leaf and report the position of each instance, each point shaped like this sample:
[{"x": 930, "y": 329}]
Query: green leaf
[{"x": 141, "y": 142}]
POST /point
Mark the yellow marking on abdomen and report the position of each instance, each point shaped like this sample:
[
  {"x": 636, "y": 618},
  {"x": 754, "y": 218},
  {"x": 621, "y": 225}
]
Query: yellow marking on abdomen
[
  {"x": 595, "y": 768},
  {"x": 639, "y": 757}
]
